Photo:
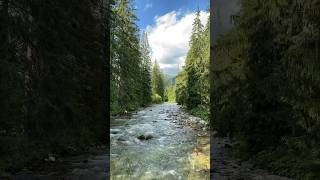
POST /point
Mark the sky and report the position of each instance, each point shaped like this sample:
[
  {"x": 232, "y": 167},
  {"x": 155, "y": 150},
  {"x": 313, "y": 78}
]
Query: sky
[{"x": 169, "y": 26}]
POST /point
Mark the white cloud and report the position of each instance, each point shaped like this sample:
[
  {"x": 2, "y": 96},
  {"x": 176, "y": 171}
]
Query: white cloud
[
  {"x": 169, "y": 38},
  {"x": 147, "y": 6}
]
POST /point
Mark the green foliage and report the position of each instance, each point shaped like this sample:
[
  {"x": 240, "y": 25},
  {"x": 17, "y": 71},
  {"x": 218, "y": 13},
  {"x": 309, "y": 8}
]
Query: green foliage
[
  {"x": 168, "y": 79},
  {"x": 171, "y": 93},
  {"x": 192, "y": 83},
  {"x": 156, "y": 98},
  {"x": 181, "y": 86},
  {"x": 125, "y": 55},
  {"x": 157, "y": 80},
  {"x": 201, "y": 112},
  {"x": 130, "y": 61},
  {"x": 146, "y": 80},
  {"x": 265, "y": 84},
  {"x": 52, "y": 77}
]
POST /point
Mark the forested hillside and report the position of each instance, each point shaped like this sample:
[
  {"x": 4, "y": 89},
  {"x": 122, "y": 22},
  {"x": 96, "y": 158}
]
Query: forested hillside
[
  {"x": 135, "y": 82},
  {"x": 53, "y": 78},
  {"x": 266, "y": 85},
  {"x": 192, "y": 83}
]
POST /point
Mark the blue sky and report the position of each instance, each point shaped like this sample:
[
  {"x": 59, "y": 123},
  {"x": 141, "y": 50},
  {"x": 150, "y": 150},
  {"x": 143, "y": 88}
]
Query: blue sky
[
  {"x": 147, "y": 10},
  {"x": 169, "y": 25}
]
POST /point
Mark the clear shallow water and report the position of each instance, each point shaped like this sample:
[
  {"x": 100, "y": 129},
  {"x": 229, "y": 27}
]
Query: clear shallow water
[{"x": 175, "y": 151}]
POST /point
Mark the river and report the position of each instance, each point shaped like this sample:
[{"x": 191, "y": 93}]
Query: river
[{"x": 159, "y": 142}]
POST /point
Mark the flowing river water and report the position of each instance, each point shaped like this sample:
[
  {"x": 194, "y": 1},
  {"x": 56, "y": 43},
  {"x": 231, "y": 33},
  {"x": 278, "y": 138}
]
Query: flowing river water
[{"x": 159, "y": 142}]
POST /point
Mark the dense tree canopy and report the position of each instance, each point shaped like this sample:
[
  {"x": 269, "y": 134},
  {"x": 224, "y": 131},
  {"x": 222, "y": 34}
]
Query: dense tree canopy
[
  {"x": 265, "y": 89},
  {"x": 53, "y": 72},
  {"x": 146, "y": 79},
  {"x": 157, "y": 81},
  {"x": 125, "y": 60},
  {"x": 130, "y": 61},
  {"x": 192, "y": 89}
]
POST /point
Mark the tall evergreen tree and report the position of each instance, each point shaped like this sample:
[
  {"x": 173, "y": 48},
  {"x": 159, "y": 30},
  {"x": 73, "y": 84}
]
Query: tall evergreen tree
[
  {"x": 192, "y": 89},
  {"x": 126, "y": 58},
  {"x": 157, "y": 80},
  {"x": 265, "y": 84},
  {"x": 52, "y": 77},
  {"x": 146, "y": 70},
  {"x": 193, "y": 57}
]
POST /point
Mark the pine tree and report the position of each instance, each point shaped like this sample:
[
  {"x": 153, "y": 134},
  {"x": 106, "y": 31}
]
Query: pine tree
[
  {"x": 265, "y": 84},
  {"x": 53, "y": 63},
  {"x": 192, "y": 83},
  {"x": 126, "y": 58},
  {"x": 146, "y": 70},
  {"x": 192, "y": 60},
  {"x": 157, "y": 80}
]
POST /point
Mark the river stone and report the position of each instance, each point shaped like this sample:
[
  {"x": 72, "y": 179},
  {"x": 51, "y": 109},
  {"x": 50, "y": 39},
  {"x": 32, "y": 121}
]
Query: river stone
[
  {"x": 114, "y": 131},
  {"x": 141, "y": 137},
  {"x": 121, "y": 139},
  {"x": 149, "y": 136},
  {"x": 145, "y": 136}
]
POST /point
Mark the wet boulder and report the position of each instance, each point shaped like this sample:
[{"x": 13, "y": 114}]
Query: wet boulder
[
  {"x": 141, "y": 137},
  {"x": 121, "y": 138},
  {"x": 146, "y": 136},
  {"x": 115, "y": 131}
]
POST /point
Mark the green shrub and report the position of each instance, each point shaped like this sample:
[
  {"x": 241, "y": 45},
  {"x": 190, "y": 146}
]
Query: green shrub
[
  {"x": 171, "y": 93},
  {"x": 201, "y": 112},
  {"x": 156, "y": 98}
]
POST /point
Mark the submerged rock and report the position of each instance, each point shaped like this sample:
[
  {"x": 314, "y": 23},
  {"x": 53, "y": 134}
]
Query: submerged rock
[
  {"x": 114, "y": 131},
  {"x": 121, "y": 138},
  {"x": 145, "y": 136},
  {"x": 141, "y": 137}
]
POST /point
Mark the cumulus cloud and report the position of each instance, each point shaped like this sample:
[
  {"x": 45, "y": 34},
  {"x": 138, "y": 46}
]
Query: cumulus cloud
[{"x": 169, "y": 38}]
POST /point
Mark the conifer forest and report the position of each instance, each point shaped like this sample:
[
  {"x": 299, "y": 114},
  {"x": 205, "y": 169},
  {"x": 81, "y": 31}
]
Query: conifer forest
[
  {"x": 83, "y": 94},
  {"x": 53, "y": 80},
  {"x": 265, "y": 85}
]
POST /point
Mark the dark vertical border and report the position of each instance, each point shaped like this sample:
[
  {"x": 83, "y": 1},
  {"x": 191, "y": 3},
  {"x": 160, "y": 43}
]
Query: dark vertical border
[
  {"x": 220, "y": 22},
  {"x": 107, "y": 8}
]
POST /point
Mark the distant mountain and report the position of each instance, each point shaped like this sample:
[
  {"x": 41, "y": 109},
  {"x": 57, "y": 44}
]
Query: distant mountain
[{"x": 169, "y": 79}]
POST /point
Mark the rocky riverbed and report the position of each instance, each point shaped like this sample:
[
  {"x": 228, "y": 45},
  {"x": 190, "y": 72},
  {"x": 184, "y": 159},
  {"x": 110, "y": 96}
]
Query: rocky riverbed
[
  {"x": 160, "y": 142},
  {"x": 93, "y": 165},
  {"x": 157, "y": 142},
  {"x": 226, "y": 167}
]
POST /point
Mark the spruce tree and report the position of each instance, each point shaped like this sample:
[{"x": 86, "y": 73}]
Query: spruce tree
[
  {"x": 146, "y": 70},
  {"x": 157, "y": 80},
  {"x": 126, "y": 58}
]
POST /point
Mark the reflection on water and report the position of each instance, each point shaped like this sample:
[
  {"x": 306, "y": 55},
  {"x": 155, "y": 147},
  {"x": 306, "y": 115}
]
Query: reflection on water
[{"x": 172, "y": 151}]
